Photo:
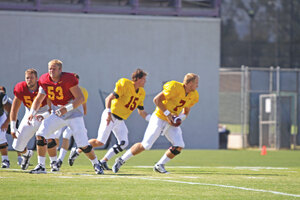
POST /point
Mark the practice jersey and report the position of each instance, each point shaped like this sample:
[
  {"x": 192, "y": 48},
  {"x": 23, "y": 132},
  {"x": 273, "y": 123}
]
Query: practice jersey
[
  {"x": 176, "y": 99},
  {"x": 59, "y": 92},
  {"x": 128, "y": 99},
  {"x": 22, "y": 92},
  {"x": 3, "y": 101},
  {"x": 85, "y": 94}
]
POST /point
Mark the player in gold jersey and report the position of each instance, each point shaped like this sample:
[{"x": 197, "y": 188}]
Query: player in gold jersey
[
  {"x": 176, "y": 99},
  {"x": 127, "y": 96}
]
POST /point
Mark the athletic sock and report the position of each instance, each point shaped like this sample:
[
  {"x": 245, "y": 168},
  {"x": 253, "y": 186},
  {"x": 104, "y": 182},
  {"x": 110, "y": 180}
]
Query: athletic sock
[
  {"x": 95, "y": 161},
  {"x": 62, "y": 154},
  {"x": 127, "y": 155},
  {"x": 5, "y": 158},
  {"x": 110, "y": 153},
  {"x": 26, "y": 154},
  {"x": 164, "y": 159},
  {"x": 41, "y": 160},
  {"x": 54, "y": 158}
]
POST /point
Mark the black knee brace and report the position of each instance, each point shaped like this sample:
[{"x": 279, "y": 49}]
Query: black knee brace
[
  {"x": 117, "y": 147},
  {"x": 174, "y": 150},
  {"x": 88, "y": 149},
  {"x": 41, "y": 142},
  {"x": 3, "y": 146},
  {"x": 51, "y": 144}
]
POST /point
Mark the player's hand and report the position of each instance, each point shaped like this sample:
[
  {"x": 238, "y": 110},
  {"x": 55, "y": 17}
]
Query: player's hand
[
  {"x": 4, "y": 126},
  {"x": 13, "y": 135},
  {"x": 30, "y": 118},
  {"x": 109, "y": 119},
  {"x": 169, "y": 119},
  {"x": 61, "y": 111},
  {"x": 40, "y": 118}
]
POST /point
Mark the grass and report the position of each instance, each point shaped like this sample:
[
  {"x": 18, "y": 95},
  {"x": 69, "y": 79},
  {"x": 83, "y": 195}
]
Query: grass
[{"x": 195, "y": 174}]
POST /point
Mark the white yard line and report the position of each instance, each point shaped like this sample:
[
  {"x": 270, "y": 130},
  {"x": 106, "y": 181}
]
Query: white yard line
[{"x": 225, "y": 167}]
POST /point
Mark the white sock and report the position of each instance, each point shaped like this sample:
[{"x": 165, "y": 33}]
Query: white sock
[
  {"x": 41, "y": 160},
  {"x": 54, "y": 158},
  {"x": 5, "y": 158},
  {"x": 127, "y": 155},
  {"x": 164, "y": 159},
  {"x": 77, "y": 150},
  {"x": 95, "y": 161},
  {"x": 62, "y": 154},
  {"x": 110, "y": 153},
  {"x": 26, "y": 153}
]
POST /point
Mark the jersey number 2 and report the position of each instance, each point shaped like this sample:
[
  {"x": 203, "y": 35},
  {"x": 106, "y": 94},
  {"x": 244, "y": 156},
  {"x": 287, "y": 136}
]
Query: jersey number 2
[{"x": 182, "y": 102}]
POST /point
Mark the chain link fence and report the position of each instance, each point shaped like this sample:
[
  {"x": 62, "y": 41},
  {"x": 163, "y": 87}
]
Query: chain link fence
[{"x": 261, "y": 105}]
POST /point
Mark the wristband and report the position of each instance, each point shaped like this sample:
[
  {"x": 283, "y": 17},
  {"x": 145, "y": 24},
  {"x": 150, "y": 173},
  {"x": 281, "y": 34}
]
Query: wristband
[
  {"x": 69, "y": 107},
  {"x": 182, "y": 116},
  {"x": 166, "y": 113},
  {"x": 147, "y": 118},
  {"x": 45, "y": 114},
  {"x": 32, "y": 112},
  {"x": 13, "y": 126},
  {"x": 108, "y": 110}
]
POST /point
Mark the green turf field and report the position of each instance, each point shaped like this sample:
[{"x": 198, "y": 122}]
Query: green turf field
[{"x": 194, "y": 174}]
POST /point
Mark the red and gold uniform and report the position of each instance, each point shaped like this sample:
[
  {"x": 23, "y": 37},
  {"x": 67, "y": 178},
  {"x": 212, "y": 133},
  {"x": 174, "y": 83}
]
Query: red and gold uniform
[
  {"x": 59, "y": 92},
  {"x": 175, "y": 100},
  {"x": 128, "y": 99},
  {"x": 22, "y": 92}
]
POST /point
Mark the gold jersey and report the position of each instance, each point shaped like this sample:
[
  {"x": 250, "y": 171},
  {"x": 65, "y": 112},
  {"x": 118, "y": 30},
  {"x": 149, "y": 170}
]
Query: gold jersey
[
  {"x": 176, "y": 99},
  {"x": 85, "y": 94},
  {"x": 128, "y": 99}
]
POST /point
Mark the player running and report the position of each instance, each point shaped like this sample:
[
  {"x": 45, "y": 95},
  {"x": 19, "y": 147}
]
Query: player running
[
  {"x": 176, "y": 99},
  {"x": 127, "y": 96},
  {"x": 25, "y": 92},
  {"x": 65, "y": 95}
]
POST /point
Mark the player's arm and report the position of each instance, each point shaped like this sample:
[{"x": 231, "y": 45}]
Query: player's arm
[
  {"x": 84, "y": 108},
  {"x": 16, "y": 104},
  {"x": 7, "y": 107},
  {"x": 158, "y": 101},
  {"x": 78, "y": 100},
  {"x": 143, "y": 113},
  {"x": 36, "y": 104},
  {"x": 108, "y": 101},
  {"x": 184, "y": 113}
]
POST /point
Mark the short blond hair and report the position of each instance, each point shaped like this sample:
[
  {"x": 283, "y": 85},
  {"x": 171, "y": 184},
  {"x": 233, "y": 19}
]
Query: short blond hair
[
  {"x": 189, "y": 77},
  {"x": 31, "y": 71},
  {"x": 55, "y": 62}
]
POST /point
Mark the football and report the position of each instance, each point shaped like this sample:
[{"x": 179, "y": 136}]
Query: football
[{"x": 176, "y": 121}]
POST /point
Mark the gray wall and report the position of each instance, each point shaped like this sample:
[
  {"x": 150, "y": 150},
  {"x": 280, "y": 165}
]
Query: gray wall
[{"x": 104, "y": 48}]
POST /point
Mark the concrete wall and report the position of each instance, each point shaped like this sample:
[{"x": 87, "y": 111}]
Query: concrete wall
[{"x": 104, "y": 48}]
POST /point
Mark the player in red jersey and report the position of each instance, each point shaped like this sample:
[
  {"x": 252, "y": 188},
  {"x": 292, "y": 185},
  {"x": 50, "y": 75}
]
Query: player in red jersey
[
  {"x": 63, "y": 91},
  {"x": 25, "y": 92}
]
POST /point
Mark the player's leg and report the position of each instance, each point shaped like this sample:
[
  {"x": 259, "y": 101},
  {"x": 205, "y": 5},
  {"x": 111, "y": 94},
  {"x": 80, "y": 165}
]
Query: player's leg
[
  {"x": 47, "y": 128},
  {"x": 67, "y": 133},
  {"x": 121, "y": 133},
  {"x": 24, "y": 134},
  {"x": 153, "y": 131},
  {"x": 3, "y": 144},
  {"x": 104, "y": 131},
  {"x": 174, "y": 135},
  {"x": 80, "y": 136}
]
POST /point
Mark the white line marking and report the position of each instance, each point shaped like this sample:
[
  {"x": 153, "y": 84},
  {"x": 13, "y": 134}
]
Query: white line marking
[
  {"x": 218, "y": 185},
  {"x": 198, "y": 167}
]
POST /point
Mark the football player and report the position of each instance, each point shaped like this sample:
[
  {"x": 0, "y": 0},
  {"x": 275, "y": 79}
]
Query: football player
[
  {"x": 127, "y": 96},
  {"x": 176, "y": 99},
  {"x": 67, "y": 132},
  {"x": 5, "y": 105},
  {"x": 25, "y": 92},
  {"x": 65, "y": 95}
]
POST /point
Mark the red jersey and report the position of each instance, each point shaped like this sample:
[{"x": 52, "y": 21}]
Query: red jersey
[
  {"x": 22, "y": 92},
  {"x": 59, "y": 93}
]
